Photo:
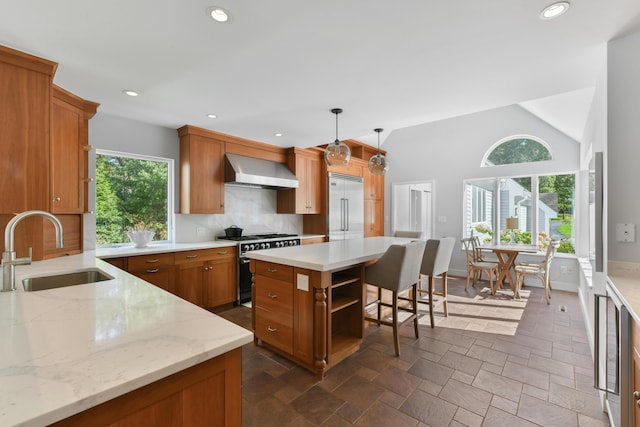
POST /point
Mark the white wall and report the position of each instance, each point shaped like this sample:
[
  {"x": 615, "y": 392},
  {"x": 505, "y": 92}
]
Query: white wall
[
  {"x": 623, "y": 149},
  {"x": 450, "y": 151},
  {"x": 252, "y": 209}
]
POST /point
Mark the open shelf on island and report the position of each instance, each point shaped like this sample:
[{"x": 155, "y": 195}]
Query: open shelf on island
[
  {"x": 339, "y": 303},
  {"x": 341, "y": 279}
]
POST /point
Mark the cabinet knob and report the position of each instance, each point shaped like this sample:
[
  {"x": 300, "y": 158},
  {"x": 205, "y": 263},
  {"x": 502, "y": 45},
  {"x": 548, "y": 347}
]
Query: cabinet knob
[
  {"x": 57, "y": 199},
  {"x": 636, "y": 395}
]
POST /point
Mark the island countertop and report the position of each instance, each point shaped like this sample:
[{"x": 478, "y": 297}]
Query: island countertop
[
  {"x": 329, "y": 256},
  {"x": 68, "y": 349}
]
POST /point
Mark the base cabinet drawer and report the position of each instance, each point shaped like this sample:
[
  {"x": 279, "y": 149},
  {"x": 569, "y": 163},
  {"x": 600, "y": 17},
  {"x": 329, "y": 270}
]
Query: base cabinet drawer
[
  {"x": 272, "y": 332},
  {"x": 274, "y": 295}
]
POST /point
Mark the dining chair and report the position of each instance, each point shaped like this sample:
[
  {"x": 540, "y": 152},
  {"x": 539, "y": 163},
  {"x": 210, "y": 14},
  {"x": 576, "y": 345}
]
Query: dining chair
[
  {"x": 397, "y": 271},
  {"x": 541, "y": 271},
  {"x": 435, "y": 263},
  {"x": 408, "y": 233},
  {"x": 482, "y": 255},
  {"x": 475, "y": 268}
]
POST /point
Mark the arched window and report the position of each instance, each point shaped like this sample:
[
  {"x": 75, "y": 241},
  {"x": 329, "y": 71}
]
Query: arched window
[{"x": 517, "y": 149}]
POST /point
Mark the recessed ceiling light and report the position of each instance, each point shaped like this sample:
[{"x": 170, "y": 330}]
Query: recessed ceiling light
[
  {"x": 130, "y": 92},
  {"x": 212, "y": 116},
  {"x": 277, "y": 134},
  {"x": 218, "y": 14},
  {"x": 554, "y": 10}
]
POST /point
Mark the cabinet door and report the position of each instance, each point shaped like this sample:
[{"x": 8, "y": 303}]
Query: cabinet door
[
  {"x": 220, "y": 282},
  {"x": 202, "y": 175},
  {"x": 190, "y": 281},
  {"x": 312, "y": 185},
  {"x": 373, "y": 218},
  {"x": 162, "y": 277},
  {"x": 66, "y": 158},
  {"x": 373, "y": 186}
]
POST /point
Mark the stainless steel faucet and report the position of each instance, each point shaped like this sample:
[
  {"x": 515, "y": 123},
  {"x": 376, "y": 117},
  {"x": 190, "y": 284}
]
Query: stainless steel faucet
[{"x": 9, "y": 260}]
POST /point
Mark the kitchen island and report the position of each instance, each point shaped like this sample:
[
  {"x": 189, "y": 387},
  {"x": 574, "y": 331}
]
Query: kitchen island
[
  {"x": 308, "y": 301},
  {"x": 100, "y": 349}
]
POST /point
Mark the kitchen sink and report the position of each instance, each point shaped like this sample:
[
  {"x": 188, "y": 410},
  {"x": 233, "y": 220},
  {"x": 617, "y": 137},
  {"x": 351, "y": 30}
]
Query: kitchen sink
[{"x": 71, "y": 278}]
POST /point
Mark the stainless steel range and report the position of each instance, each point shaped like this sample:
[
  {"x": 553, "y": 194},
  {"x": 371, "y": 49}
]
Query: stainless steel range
[{"x": 253, "y": 243}]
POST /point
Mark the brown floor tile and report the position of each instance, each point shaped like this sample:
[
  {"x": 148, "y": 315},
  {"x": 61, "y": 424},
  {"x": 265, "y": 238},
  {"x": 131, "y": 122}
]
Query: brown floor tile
[
  {"x": 546, "y": 414},
  {"x": 497, "y": 384},
  {"x": 429, "y": 409},
  {"x": 383, "y": 416},
  {"x": 493, "y": 361},
  {"x": 496, "y": 417}
]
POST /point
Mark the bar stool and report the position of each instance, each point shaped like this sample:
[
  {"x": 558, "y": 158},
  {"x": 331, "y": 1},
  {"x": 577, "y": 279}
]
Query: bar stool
[
  {"x": 435, "y": 262},
  {"x": 397, "y": 271}
]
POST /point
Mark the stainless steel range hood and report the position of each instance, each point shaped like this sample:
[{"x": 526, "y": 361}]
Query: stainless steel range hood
[{"x": 259, "y": 173}]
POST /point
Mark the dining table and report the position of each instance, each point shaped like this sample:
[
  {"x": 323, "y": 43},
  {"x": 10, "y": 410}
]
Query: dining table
[{"x": 506, "y": 253}]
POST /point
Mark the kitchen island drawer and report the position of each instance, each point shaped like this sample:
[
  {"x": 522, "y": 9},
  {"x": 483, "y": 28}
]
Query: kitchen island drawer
[
  {"x": 274, "y": 295},
  {"x": 184, "y": 257},
  {"x": 273, "y": 332},
  {"x": 274, "y": 271},
  {"x": 150, "y": 261}
]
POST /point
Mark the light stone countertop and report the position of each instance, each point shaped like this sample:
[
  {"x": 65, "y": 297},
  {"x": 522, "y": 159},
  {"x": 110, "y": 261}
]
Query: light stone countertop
[
  {"x": 65, "y": 350},
  {"x": 157, "y": 248},
  {"x": 329, "y": 256},
  {"x": 624, "y": 277}
]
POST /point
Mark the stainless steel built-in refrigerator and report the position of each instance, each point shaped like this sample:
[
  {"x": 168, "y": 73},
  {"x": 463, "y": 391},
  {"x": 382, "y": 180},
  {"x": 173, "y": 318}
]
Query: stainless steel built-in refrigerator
[{"x": 346, "y": 207}]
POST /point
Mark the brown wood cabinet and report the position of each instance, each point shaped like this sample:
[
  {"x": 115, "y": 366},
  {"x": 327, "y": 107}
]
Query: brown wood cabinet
[
  {"x": 373, "y": 218},
  {"x": 206, "y": 277},
  {"x": 68, "y": 155},
  {"x": 201, "y": 172},
  {"x": 306, "y": 198},
  {"x": 42, "y": 154},
  {"x": 154, "y": 268},
  {"x": 313, "y": 318},
  {"x": 208, "y": 394}
]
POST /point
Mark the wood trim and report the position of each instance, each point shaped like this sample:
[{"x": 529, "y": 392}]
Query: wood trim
[
  {"x": 89, "y": 107},
  {"x": 25, "y": 60}
]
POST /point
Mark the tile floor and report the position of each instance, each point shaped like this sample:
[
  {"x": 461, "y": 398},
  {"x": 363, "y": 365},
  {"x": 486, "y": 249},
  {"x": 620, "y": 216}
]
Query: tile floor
[{"x": 493, "y": 362}]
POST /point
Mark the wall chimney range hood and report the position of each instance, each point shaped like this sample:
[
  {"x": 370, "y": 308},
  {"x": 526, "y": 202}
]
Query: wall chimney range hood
[{"x": 257, "y": 173}]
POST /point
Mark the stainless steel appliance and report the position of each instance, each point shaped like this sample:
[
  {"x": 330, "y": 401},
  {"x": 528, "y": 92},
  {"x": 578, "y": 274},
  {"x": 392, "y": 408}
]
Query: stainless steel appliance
[
  {"x": 252, "y": 243},
  {"x": 346, "y": 207}
]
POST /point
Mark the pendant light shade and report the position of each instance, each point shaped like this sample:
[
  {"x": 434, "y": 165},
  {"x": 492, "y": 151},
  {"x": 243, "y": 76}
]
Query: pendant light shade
[
  {"x": 378, "y": 164},
  {"x": 338, "y": 153}
]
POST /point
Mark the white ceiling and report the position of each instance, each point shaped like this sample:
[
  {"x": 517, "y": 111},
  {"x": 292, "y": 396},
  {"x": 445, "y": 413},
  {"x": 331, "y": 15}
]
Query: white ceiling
[{"x": 281, "y": 65}]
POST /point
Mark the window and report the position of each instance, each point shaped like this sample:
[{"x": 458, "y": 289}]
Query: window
[
  {"x": 517, "y": 149},
  {"x": 132, "y": 192},
  {"x": 521, "y": 208}
]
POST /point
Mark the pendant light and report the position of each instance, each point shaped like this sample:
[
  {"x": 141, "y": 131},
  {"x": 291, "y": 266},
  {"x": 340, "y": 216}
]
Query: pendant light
[
  {"x": 378, "y": 164},
  {"x": 338, "y": 153}
]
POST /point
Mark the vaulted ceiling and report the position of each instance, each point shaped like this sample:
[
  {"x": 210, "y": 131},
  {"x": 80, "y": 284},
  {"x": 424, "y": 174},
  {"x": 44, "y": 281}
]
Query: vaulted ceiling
[{"x": 279, "y": 66}]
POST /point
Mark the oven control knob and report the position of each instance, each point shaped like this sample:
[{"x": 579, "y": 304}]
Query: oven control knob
[{"x": 252, "y": 247}]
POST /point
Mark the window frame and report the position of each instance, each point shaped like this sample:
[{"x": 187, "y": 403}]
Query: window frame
[
  {"x": 535, "y": 196},
  {"x": 170, "y": 191},
  {"x": 484, "y": 164}
]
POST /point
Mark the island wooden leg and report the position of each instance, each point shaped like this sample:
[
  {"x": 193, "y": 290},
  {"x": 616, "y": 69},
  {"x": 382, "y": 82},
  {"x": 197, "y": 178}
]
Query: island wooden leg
[{"x": 320, "y": 335}]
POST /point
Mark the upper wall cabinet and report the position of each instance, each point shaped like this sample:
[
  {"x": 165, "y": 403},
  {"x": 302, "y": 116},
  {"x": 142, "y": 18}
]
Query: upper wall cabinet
[
  {"x": 25, "y": 102},
  {"x": 306, "y": 198},
  {"x": 43, "y": 136},
  {"x": 201, "y": 172},
  {"x": 69, "y": 147}
]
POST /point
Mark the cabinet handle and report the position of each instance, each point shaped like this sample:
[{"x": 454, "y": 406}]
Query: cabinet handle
[
  {"x": 206, "y": 269},
  {"x": 153, "y": 270},
  {"x": 272, "y": 296},
  {"x": 636, "y": 395},
  {"x": 272, "y": 270},
  {"x": 191, "y": 256},
  {"x": 57, "y": 199},
  {"x": 152, "y": 261},
  {"x": 222, "y": 253},
  {"x": 270, "y": 329},
  {"x": 638, "y": 404}
]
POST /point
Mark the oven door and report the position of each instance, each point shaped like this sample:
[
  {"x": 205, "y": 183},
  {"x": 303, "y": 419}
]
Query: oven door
[{"x": 244, "y": 280}]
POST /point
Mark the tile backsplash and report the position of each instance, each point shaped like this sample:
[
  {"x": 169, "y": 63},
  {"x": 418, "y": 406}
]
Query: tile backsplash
[{"x": 252, "y": 209}]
